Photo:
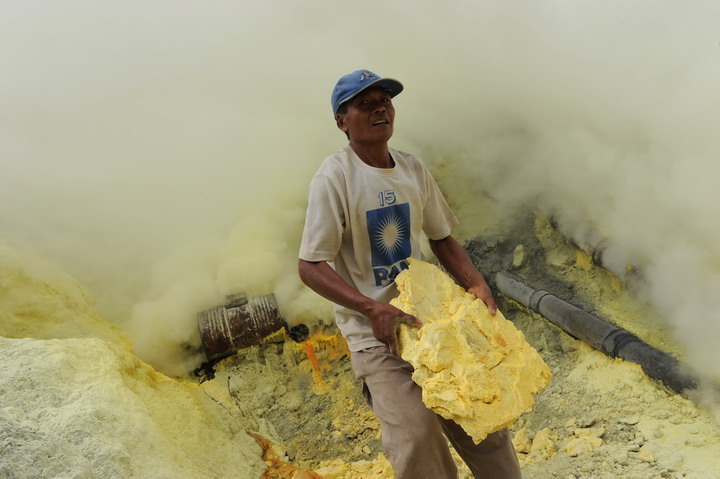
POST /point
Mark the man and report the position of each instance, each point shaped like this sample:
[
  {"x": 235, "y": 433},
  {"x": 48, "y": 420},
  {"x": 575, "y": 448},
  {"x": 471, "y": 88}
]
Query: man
[{"x": 368, "y": 206}]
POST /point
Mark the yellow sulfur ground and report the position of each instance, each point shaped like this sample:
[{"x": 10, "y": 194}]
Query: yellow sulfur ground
[{"x": 84, "y": 406}]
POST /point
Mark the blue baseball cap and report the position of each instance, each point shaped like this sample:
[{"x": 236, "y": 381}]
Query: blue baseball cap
[{"x": 357, "y": 81}]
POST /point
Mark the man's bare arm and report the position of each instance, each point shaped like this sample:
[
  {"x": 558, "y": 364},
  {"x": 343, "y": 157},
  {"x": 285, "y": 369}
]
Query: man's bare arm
[
  {"x": 384, "y": 318},
  {"x": 458, "y": 263}
]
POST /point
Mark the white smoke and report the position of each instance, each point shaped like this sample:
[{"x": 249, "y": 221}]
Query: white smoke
[{"x": 162, "y": 150}]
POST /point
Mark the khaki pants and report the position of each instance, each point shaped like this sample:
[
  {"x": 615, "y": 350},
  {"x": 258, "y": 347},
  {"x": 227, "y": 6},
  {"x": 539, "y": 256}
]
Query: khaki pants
[{"x": 412, "y": 435}]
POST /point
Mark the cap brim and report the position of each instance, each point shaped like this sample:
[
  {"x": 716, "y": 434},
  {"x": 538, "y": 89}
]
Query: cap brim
[{"x": 390, "y": 85}]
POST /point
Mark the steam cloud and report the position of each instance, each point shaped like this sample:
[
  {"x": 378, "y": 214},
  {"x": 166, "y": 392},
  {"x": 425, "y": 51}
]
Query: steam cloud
[{"x": 161, "y": 151}]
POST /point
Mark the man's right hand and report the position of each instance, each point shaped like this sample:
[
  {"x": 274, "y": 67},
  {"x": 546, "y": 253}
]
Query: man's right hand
[{"x": 385, "y": 319}]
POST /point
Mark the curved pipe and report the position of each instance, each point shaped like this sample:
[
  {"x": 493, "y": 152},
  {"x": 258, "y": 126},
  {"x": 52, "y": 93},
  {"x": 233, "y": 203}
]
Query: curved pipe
[{"x": 607, "y": 338}]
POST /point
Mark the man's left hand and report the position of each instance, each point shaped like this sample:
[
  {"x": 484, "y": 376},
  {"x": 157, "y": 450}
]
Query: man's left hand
[{"x": 482, "y": 291}]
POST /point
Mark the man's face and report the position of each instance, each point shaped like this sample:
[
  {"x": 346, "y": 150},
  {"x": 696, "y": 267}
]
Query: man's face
[{"x": 369, "y": 118}]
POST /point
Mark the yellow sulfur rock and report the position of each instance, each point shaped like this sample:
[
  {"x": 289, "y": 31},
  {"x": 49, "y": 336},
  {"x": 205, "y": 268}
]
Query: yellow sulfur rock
[
  {"x": 474, "y": 368},
  {"x": 582, "y": 444}
]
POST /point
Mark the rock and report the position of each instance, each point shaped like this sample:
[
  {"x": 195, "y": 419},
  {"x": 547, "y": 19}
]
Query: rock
[
  {"x": 597, "y": 431},
  {"x": 645, "y": 454},
  {"x": 474, "y": 368},
  {"x": 629, "y": 420},
  {"x": 522, "y": 441},
  {"x": 518, "y": 256},
  {"x": 582, "y": 444},
  {"x": 585, "y": 421},
  {"x": 585, "y": 440},
  {"x": 543, "y": 443}
]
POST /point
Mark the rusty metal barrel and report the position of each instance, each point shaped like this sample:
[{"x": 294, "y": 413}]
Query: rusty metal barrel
[{"x": 239, "y": 323}]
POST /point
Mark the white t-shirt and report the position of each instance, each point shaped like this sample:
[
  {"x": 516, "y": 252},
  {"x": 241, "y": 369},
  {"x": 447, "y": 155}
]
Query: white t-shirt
[{"x": 367, "y": 221}]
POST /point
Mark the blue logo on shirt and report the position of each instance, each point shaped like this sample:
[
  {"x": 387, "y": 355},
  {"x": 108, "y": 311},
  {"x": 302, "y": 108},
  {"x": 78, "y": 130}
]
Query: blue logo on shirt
[{"x": 389, "y": 230}]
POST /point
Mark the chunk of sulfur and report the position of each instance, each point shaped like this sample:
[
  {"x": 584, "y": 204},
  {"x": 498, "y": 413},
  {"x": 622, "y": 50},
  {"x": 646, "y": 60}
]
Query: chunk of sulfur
[{"x": 473, "y": 368}]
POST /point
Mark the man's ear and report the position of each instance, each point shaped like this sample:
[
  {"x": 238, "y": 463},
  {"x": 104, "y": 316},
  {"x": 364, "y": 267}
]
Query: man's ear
[{"x": 340, "y": 121}]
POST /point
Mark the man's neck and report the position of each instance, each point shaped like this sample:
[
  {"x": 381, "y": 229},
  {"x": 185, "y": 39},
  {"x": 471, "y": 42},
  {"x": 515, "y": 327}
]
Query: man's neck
[{"x": 375, "y": 155}]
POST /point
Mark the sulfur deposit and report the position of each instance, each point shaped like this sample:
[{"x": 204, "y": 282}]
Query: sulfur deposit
[
  {"x": 39, "y": 301},
  {"x": 474, "y": 368},
  {"x": 82, "y": 406}
]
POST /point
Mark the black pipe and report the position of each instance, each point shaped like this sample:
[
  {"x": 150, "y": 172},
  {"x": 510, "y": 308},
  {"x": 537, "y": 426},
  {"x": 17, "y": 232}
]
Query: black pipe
[{"x": 605, "y": 337}]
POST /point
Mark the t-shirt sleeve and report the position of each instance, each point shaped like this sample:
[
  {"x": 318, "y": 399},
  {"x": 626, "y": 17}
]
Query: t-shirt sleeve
[
  {"x": 324, "y": 221},
  {"x": 438, "y": 218}
]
